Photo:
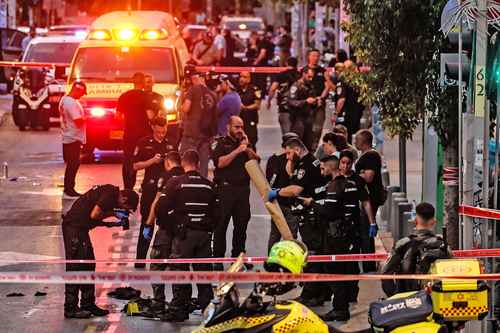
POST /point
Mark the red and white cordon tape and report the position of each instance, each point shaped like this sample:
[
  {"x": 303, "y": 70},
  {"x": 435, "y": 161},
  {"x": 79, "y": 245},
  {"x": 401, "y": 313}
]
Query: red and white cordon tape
[
  {"x": 21, "y": 64},
  {"x": 478, "y": 212},
  {"x": 179, "y": 277},
  {"x": 476, "y": 253}
]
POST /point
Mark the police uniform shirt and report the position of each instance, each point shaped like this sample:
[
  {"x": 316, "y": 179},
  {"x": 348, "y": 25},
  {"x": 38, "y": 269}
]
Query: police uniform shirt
[
  {"x": 235, "y": 173},
  {"x": 132, "y": 104},
  {"x": 146, "y": 149},
  {"x": 154, "y": 102},
  {"x": 355, "y": 191},
  {"x": 307, "y": 175},
  {"x": 352, "y": 109},
  {"x": 277, "y": 176},
  {"x": 167, "y": 175},
  {"x": 104, "y": 196},
  {"x": 318, "y": 80},
  {"x": 285, "y": 81},
  {"x": 248, "y": 97}
]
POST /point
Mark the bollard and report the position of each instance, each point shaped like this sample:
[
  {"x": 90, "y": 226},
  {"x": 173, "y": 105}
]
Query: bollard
[
  {"x": 386, "y": 208},
  {"x": 402, "y": 224},
  {"x": 390, "y": 208},
  {"x": 394, "y": 222},
  {"x": 5, "y": 170},
  {"x": 386, "y": 179},
  {"x": 408, "y": 224}
]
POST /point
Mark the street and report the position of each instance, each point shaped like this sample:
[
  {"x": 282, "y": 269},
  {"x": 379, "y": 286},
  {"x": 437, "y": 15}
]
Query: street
[{"x": 30, "y": 229}]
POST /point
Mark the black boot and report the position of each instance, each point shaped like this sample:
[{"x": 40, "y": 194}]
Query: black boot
[
  {"x": 174, "y": 316},
  {"x": 95, "y": 310},
  {"x": 76, "y": 313},
  {"x": 336, "y": 315}
]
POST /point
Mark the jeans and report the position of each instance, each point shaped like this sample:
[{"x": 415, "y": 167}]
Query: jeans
[
  {"x": 71, "y": 156},
  {"x": 303, "y": 126},
  {"x": 319, "y": 122},
  {"x": 285, "y": 120},
  {"x": 202, "y": 146}
]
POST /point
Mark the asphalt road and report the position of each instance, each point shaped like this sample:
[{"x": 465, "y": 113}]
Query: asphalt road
[{"x": 31, "y": 205}]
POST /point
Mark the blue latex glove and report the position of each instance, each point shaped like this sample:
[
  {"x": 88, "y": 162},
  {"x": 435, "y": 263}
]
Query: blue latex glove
[
  {"x": 372, "y": 232},
  {"x": 273, "y": 194},
  {"x": 147, "y": 232}
]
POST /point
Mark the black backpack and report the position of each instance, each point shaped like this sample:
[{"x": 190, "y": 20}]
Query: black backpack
[{"x": 208, "y": 123}]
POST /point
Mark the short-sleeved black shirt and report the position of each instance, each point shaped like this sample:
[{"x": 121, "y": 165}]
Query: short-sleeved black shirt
[
  {"x": 307, "y": 175},
  {"x": 203, "y": 109},
  {"x": 318, "y": 80},
  {"x": 248, "y": 97},
  {"x": 277, "y": 176},
  {"x": 167, "y": 175},
  {"x": 285, "y": 80},
  {"x": 355, "y": 192},
  {"x": 104, "y": 196},
  {"x": 269, "y": 47},
  {"x": 133, "y": 104},
  {"x": 154, "y": 101},
  {"x": 371, "y": 160},
  {"x": 146, "y": 149},
  {"x": 352, "y": 109},
  {"x": 235, "y": 173}
]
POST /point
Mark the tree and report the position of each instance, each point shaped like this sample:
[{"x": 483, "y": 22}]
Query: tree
[{"x": 401, "y": 41}]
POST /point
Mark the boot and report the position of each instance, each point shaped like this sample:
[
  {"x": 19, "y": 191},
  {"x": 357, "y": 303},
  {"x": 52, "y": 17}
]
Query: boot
[
  {"x": 174, "y": 316},
  {"x": 95, "y": 310},
  {"x": 336, "y": 315},
  {"x": 76, "y": 313}
]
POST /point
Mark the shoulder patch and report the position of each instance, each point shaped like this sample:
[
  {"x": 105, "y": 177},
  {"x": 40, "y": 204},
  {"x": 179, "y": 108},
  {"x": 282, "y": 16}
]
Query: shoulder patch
[
  {"x": 316, "y": 163},
  {"x": 293, "y": 89},
  {"x": 258, "y": 94},
  {"x": 214, "y": 144},
  {"x": 402, "y": 242},
  {"x": 301, "y": 173},
  {"x": 136, "y": 150}
]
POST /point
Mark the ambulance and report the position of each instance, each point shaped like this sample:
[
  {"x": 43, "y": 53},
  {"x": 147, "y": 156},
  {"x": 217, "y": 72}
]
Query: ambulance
[{"x": 118, "y": 45}]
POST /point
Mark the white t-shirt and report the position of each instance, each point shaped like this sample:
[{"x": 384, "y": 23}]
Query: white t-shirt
[
  {"x": 69, "y": 110},
  {"x": 220, "y": 43}
]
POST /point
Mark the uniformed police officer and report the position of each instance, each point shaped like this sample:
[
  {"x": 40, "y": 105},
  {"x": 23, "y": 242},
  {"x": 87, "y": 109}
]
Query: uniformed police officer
[
  {"x": 282, "y": 84},
  {"x": 340, "y": 213},
  {"x": 251, "y": 97},
  {"x": 87, "y": 212},
  {"x": 193, "y": 201},
  {"x": 154, "y": 101},
  {"x": 149, "y": 155},
  {"x": 306, "y": 180},
  {"x": 162, "y": 243},
  {"x": 233, "y": 187},
  {"x": 302, "y": 102}
]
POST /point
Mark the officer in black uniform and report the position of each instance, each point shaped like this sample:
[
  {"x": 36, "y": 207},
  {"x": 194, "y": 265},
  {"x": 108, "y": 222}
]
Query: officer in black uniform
[
  {"x": 302, "y": 103},
  {"x": 340, "y": 213},
  {"x": 278, "y": 172},
  {"x": 149, "y": 155},
  {"x": 154, "y": 101},
  {"x": 282, "y": 84},
  {"x": 162, "y": 244},
  {"x": 193, "y": 200},
  {"x": 86, "y": 213},
  {"x": 306, "y": 181},
  {"x": 251, "y": 97},
  {"x": 230, "y": 154}
]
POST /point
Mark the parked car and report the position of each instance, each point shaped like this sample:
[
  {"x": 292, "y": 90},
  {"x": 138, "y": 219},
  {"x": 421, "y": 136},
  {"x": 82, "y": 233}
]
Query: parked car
[
  {"x": 243, "y": 26},
  {"x": 77, "y": 30},
  {"x": 11, "y": 50}
]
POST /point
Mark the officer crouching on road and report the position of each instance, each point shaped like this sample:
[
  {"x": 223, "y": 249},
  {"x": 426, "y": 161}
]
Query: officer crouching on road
[
  {"x": 251, "y": 97},
  {"x": 162, "y": 244},
  {"x": 149, "y": 154},
  {"x": 340, "y": 213},
  {"x": 306, "y": 181},
  {"x": 190, "y": 203},
  {"x": 88, "y": 212}
]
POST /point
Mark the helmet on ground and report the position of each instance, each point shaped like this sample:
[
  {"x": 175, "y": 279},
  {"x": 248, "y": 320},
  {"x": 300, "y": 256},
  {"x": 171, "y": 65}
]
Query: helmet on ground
[{"x": 287, "y": 255}]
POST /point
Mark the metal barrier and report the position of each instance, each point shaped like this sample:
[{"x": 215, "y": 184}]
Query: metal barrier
[
  {"x": 394, "y": 225},
  {"x": 386, "y": 208}
]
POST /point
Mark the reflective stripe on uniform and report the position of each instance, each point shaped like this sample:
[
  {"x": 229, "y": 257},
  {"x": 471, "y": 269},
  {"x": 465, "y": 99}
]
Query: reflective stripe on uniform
[
  {"x": 197, "y": 215},
  {"x": 196, "y": 186},
  {"x": 196, "y": 204}
]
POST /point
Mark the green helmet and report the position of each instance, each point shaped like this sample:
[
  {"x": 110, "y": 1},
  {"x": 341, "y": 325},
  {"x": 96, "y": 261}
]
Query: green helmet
[{"x": 289, "y": 254}]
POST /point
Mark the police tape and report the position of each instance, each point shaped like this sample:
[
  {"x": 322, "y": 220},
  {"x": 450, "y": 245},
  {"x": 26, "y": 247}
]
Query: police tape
[
  {"x": 21, "y": 64},
  {"x": 180, "y": 277},
  {"x": 478, "y": 212},
  {"x": 475, "y": 253}
]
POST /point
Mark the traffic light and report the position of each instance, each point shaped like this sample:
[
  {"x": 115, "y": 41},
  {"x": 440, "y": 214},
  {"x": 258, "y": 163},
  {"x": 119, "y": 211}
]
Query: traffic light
[{"x": 450, "y": 58}]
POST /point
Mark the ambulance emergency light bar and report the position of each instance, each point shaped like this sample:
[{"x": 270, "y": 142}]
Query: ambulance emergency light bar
[{"x": 127, "y": 34}]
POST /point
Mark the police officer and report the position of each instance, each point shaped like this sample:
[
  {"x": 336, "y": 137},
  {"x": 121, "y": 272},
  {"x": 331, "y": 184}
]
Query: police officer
[
  {"x": 162, "y": 243},
  {"x": 149, "y": 155},
  {"x": 251, "y": 97},
  {"x": 302, "y": 102},
  {"x": 306, "y": 181},
  {"x": 193, "y": 201},
  {"x": 154, "y": 101},
  {"x": 87, "y": 212},
  {"x": 415, "y": 253},
  {"x": 230, "y": 154},
  {"x": 282, "y": 84},
  {"x": 340, "y": 213}
]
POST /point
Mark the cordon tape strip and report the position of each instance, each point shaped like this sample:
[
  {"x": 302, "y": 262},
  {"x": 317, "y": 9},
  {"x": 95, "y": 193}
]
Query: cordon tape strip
[
  {"x": 477, "y": 253},
  {"x": 179, "y": 277},
  {"x": 479, "y": 212}
]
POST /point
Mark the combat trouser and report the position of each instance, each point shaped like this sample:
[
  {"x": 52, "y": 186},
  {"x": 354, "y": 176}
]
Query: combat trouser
[
  {"x": 148, "y": 195},
  {"x": 162, "y": 248}
]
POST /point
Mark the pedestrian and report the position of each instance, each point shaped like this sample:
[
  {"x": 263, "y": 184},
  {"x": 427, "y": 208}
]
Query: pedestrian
[
  {"x": 230, "y": 154},
  {"x": 265, "y": 52},
  {"x": 205, "y": 52},
  {"x": 232, "y": 45},
  {"x": 302, "y": 103},
  {"x": 333, "y": 144},
  {"x": 149, "y": 156},
  {"x": 251, "y": 98},
  {"x": 73, "y": 131},
  {"x": 284, "y": 44},
  {"x": 415, "y": 253},
  {"x": 252, "y": 50},
  {"x": 321, "y": 89},
  {"x": 199, "y": 120},
  {"x": 282, "y": 84},
  {"x": 26, "y": 40},
  {"x": 162, "y": 243},
  {"x": 229, "y": 105},
  {"x": 341, "y": 213},
  {"x": 219, "y": 42},
  {"x": 278, "y": 172},
  {"x": 86, "y": 213},
  {"x": 154, "y": 101},
  {"x": 131, "y": 107},
  {"x": 369, "y": 167},
  {"x": 348, "y": 105},
  {"x": 190, "y": 203},
  {"x": 306, "y": 181}
]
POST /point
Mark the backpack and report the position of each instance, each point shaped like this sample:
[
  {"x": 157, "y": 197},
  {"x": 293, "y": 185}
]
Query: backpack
[{"x": 208, "y": 123}]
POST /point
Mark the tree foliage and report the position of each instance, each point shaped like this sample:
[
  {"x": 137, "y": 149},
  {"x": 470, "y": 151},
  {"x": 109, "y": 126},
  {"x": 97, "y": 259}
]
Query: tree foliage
[{"x": 401, "y": 40}]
